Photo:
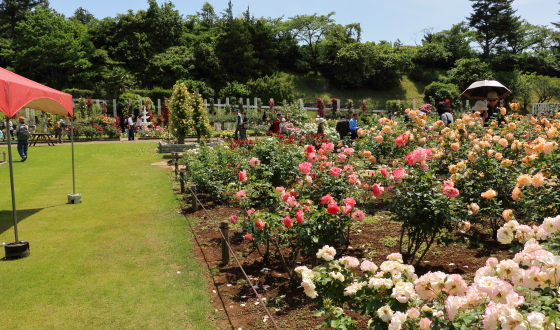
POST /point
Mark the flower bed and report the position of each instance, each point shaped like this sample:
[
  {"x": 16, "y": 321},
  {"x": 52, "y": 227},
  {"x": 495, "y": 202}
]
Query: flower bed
[{"x": 301, "y": 193}]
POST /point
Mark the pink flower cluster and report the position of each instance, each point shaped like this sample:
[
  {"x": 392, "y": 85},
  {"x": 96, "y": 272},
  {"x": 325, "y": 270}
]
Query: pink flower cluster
[
  {"x": 419, "y": 156},
  {"x": 449, "y": 190}
]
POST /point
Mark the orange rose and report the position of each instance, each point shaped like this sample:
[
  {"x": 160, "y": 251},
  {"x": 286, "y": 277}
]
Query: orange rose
[{"x": 489, "y": 194}]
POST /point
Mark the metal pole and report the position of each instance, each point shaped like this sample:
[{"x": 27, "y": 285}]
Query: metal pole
[
  {"x": 14, "y": 211},
  {"x": 72, "y": 139}
]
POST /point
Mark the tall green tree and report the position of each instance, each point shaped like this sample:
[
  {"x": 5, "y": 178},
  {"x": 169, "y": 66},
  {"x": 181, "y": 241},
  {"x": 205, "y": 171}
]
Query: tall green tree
[
  {"x": 51, "y": 49},
  {"x": 309, "y": 31},
  {"x": 14, "y": 11},
  {"x": 495, "y": 23},
  {"x": 133, "y": 39}
]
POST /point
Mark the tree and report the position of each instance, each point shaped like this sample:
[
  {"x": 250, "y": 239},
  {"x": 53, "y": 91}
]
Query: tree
[
  {"x": 310, "y": 30},
  {"x": 467, "y": 71},
  {"x": 456, "y": 42},
  {"x": 546, "y": 88},
  {"x": 14, "y": 11},
  {"x": 188, "y": 115},
  {"x": 494, "y": 23},
  {"x": 132, "y": 40},
  {"x": 83, "y": 16},
  {"x": 50, "y": 49}
]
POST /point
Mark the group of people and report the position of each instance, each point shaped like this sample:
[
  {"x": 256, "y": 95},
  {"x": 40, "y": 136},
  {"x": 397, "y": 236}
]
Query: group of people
[
  {"x": 241, "y": 125},
  {"x": 345, "y": 127},
  {"x": 131, "y": 126}
]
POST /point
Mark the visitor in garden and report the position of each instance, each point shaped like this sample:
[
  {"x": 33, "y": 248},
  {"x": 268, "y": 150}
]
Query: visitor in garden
[
  {"x": 275, "y": 127},
  {"x": 11, "y": 130},
  {"x": 265, "y": 118},
  {"x": 492, "y": 112},
  {"x": 238, "y": 124},
  {"x": 479, "y": 109},
  {"x": 442, "y": 108},
  {"x": 130, "y": 126},
  {"x": 283, "y": 126},
  {"x": 447, "y": 117},
  {"x": 320, "y": 127},
  {"x": 22, "y": 133},
  {"x": 343, "y": 127},
  {"x": 244, "y": 126},
  {"x": 448, "y": 103},
  {"x": 138, "y": 124},
  {"x": 58, "y": 130},
  {"x": 354, "y": 126}
]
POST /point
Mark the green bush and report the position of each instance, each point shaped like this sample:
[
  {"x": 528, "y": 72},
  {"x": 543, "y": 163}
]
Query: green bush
[
  {"x": 129, "y": 103},
  {"x": 395, "y": 106},
  {"x": 437, "y": 91},
  {"x": 268, "y": 87},
  {"x": 235, "y": 89}
]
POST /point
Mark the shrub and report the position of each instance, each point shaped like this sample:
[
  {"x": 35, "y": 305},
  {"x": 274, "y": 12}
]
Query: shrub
[{"x": 437, "y": 91}]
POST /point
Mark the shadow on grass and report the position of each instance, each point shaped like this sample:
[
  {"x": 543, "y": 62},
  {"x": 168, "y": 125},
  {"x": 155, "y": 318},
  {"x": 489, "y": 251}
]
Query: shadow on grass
[{"x": 7, "y": 220}]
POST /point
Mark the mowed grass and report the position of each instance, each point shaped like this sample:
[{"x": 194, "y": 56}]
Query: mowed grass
[{"x": 111, "y": 262}]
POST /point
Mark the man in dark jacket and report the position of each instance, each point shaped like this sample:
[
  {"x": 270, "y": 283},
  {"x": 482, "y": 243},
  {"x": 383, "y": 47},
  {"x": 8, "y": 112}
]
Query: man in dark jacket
[{"x": 343, "y": 127}]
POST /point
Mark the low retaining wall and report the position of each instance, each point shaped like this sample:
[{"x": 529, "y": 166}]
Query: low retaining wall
[{"x": 165, "y": 148}]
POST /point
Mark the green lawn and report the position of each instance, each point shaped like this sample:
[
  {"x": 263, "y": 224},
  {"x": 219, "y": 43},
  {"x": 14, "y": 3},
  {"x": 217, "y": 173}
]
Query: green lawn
[{"x": 112, "y": 262}]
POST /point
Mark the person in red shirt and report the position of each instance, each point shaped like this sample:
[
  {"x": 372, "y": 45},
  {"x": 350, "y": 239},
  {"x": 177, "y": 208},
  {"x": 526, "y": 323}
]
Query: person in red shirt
[{"x": 276, "y": 124}]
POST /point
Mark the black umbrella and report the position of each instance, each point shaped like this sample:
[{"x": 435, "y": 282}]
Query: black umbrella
[{"x": 479, "y": 90}]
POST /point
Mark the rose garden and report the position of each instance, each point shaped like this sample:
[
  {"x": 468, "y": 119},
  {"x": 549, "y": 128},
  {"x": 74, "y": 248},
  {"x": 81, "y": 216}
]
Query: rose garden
[{"x": 300, "y": 200}]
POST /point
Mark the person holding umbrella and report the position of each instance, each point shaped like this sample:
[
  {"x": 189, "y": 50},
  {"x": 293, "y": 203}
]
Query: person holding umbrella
[{"x": 493, "y": 111}]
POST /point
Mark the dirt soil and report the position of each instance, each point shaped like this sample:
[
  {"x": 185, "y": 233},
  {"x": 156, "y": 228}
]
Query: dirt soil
[{"x": 236, "y": 305}]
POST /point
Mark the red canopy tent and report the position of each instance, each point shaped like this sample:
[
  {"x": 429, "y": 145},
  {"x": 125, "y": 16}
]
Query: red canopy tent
[{"x": 17, "y": 92}]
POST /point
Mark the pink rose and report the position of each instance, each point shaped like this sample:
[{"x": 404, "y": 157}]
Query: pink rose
[
  {"x": 335, "y": 171},
  {"x": 305, "y": 167},
  {"x": 280, "y": 189},
  {"x": 233, "y": 219},
  {"x": 309, "y": 149},
  {"x": 327, "y": 199},
  {"x": 348, "y": 151},
  {"x": 425, "y": 323},
  {"x": 259, "y": 223},
  {"x": 399, "y": 174},
  {"x": 346, "y": 210},
  {"x": 342, "y": 157},
  {"x": 248, "y": 237},
  {"x": 288, "y": 222},
  {"x": 350, "y": 202},
  {"x": 299, "y": 216},
  {"x": 250, "y": 211},
  {"x": 384, "y": 172},
  {"x": 291, "y": 201},
  {"x": 401, "y": 140},
  {"x": 254, "y": 162},
  {"x": 312, "y": 157},
  {"x": 240, "y": 194},
  {"x": 243, "y": 176},
  {"x": 284, "y": 196},
  {"x": 377, "y": 190},
  {"x": 306, "y": 208},
  {"x": 450, "y": 192},
  {"x": 333, "y": 208},
  {"x": 358, "y": 215}
]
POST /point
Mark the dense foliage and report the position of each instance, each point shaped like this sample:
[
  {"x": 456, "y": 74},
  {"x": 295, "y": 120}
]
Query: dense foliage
[{"x": 222, "y": 54}]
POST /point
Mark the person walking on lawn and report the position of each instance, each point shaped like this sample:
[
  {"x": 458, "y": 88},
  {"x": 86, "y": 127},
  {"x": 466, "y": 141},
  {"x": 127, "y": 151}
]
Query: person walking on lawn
[{"x": 22, "y": 133}]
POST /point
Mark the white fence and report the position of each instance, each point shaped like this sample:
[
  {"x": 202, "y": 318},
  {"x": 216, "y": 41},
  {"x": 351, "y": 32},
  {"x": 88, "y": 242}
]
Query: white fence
[{"x": 548, "y": 108}]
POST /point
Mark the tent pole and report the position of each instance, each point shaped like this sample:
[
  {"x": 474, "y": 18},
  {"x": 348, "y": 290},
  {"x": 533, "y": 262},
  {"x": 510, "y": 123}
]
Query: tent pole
[
  {"x": 72, "y": 139},
  {"x": 8, "y": 134}
]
